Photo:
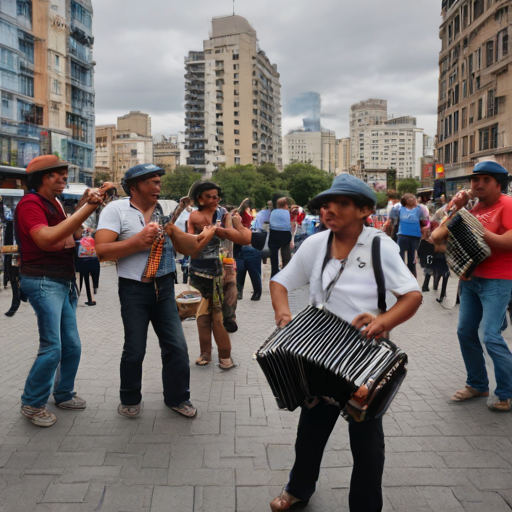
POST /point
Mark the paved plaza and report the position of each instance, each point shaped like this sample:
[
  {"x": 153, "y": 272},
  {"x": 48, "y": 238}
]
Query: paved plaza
[{"x": 236, "y": 455}]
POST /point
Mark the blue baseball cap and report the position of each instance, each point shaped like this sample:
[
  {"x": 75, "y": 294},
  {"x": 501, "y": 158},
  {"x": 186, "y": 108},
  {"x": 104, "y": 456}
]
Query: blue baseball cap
[
  {"x": 137, "y": 171},
  {"x": 344, "y": 185},
  {"x": 489, "y": 167}
]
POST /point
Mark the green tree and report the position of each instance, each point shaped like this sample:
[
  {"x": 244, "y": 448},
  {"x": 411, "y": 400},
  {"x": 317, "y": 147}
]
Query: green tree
[
  {"x": 176, "y": 184},
  {"x": 305, "y": 181},
  {"x": 382, "y": 200},
  {"x": 391, "y": 179},
  {"x": 408, "y": 185},
  {"x": 101, "y": 176}
]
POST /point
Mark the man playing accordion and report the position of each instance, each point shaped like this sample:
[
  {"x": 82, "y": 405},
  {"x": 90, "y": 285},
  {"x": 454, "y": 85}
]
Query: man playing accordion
[
  {"x": 337, "y": 264},
  {"x": 485, "y": 296}
]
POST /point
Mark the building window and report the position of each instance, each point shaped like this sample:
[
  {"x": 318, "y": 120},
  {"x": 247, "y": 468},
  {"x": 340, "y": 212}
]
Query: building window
[
  {"x": 236, "y": 113},
  {"x": 56, "y": 87},
  {"x": 236, "y": 56},
  {"x": 133, "y": 152},
  {"x": 237, "y": 151},
  {"x": 455, "y": 151},
  {"x": 502, "y": 44},
  {"x": 447, "y": 154},
  {"x": 480, "y": 108},
  {"x": 489, "y": 53},
  {"x": 471, "y": 144},
  {"x": 24, "y": 8},
  {"x": 235, "y": 76},
  {"x": 80, "y": 73},
  {"x": 81, "y": 14},
  {"x": 27, "y": 85},
  {"x": 478, "y": 8},
  {"x": 483, "y": 139},
  {"x": 79, "y": 127},
  {"x": 464, "y": 120},
  {"x": 490, "y": 103},
  {"x": 236, "y": 67},
  {"x": 237, "y": 121},
  {"x": 236, "y": 104},
  {"x": 26, "y": 45},
  {"x": 237, "y": 142},
  {"x": 464, "y": 146},
  {"x": 237, "y": 132}
]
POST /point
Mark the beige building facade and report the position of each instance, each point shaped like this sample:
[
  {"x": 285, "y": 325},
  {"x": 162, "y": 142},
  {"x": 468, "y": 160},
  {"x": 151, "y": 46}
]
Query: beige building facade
[
  {"x": 343, "y": 155},
  {"x": 47, "y": 83},
  {"x": 233, "y": 100},
  {"x": 316, "y": 148},
  {"x": 117, "y": 150},
  {"x": 166, "y": 153},
  {"x": 475, "y": 87}
]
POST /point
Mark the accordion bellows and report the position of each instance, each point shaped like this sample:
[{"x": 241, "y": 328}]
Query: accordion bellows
[
  {"x": 465, "y": 248},
  {"x": 318, "y": 354}
]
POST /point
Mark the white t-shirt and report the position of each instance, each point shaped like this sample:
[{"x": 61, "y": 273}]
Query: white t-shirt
[
  {"x": 180, "y": 223},
  {"x": 356, "y": 290}
]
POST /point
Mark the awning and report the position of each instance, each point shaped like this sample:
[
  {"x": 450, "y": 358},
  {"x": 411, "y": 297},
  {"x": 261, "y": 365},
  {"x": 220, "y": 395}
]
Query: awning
[
  {"x": 12, "y": 192},
  {"x": 74, "y": 191}
]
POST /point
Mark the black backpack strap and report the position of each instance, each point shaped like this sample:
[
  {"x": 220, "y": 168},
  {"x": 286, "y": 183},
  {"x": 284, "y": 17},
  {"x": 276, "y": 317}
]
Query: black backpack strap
[{"x": 379, "y": 274}]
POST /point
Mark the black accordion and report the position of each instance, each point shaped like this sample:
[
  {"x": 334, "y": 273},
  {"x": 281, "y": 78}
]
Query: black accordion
[
  {"x": 318, "y": 354},
  {"x": 465, "y": 248}
]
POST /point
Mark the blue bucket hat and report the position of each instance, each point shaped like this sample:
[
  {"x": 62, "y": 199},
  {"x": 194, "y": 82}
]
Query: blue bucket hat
[
  {"x": 344, "y": 185},
  {"x": 494, "y": 169},
  {"x": 137, "y": 171}
]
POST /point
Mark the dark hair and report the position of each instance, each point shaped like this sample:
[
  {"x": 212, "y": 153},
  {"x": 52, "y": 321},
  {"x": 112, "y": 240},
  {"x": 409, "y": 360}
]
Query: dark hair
[
  {"x": 134, "y": 182},
  {"x": 203, "y": 187},
  {"x": 35, "y": 180},
  {"x": 392, "y": 194},
  {"x": 406, "y": 196}
]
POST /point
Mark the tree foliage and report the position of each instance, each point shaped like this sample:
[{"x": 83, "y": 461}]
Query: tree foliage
[
  {"x": 408, "y": 185},
  {"x": 100, "y": 177},
  {"x": 176, "y": 184}
]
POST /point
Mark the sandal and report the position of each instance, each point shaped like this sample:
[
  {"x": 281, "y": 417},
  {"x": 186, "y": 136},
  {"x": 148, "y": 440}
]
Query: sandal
[
  {"x": 129, "y": 411},
  {"x": 226, "y": 364},
  {"x": 467, "y": 393},
  {"x": 203, "y": 360},
  {"x": 283, "y": 502},
  {"x": 501, "y": 406},
  {"x": 185, "y": 409}
]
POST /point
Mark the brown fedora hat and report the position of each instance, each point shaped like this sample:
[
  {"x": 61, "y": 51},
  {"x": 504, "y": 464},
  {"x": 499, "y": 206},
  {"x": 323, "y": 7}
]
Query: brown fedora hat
[{"x": 46, "y": 163}]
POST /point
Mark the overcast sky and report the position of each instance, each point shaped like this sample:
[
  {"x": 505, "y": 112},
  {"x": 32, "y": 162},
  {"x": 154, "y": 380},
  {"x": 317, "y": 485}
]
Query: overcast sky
[{"x": 346, "y": 50}]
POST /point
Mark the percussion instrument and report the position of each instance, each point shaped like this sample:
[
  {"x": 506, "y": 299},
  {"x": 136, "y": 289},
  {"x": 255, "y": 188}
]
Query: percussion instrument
[
  {"x": 318, "y": 354},
  {"x": 466, "y": 247}
]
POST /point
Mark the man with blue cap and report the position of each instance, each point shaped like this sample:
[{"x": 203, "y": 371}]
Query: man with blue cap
[
  {"x": 484, "y": 298},
  {"x": 338, "y": 265},
  {"x": 126, "y": 232}
]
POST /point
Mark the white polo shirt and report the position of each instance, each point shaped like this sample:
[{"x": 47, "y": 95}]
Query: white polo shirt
[{"x": 356, "y": 290}]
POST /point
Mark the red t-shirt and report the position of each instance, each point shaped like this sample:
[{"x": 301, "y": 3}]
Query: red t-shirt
[
  {"x": 246, "y": 219},
  {"x": 32, "y": 212},
  {"x": 497, "y": 219}
]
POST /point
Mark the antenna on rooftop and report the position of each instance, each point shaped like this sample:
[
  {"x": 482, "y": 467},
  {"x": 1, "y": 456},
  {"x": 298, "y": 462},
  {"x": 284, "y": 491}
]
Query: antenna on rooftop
[{"x": 233, "y": 7}]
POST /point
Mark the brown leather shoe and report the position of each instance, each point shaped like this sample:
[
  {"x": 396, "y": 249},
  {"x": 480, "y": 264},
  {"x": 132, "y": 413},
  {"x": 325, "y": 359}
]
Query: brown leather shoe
[{"x": 283, "y": 502}]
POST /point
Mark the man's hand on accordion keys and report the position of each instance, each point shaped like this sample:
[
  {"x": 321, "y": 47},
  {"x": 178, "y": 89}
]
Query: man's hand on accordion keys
[
  {"x": 283, "y": 317},
  {"x": 373, "y": 325}
]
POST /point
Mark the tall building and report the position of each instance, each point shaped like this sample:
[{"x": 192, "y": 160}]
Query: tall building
[
  {"x": 233, "y": 100},
  {"x": 166, "y": 153},
  {"x": 120, "y": 147},
  {"x": 343, "y": 150},
  {"x": 475, "y": 87},
  {"x": 47, "y": 83},
  {"x": 316, "y": 148},
  {"x": 365, "y": 113},
  {"x": 381, "y": 143}
]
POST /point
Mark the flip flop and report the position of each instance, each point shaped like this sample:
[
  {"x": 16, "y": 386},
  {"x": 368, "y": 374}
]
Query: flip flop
[
  {"x": 501, "y": 406},
  {"x": 203, "y": 361},
  {"x": 185, "y": 409},
  {"x": 467, "y": 393},
  {"x": 226, "y": 364}
]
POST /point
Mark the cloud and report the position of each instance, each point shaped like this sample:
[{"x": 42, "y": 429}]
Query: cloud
[{"x": 346, "y": 51}]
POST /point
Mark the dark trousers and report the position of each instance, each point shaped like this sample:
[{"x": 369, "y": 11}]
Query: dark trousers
[
  {"x": 12, "y": 273},
  {"x": 279, "y": 240},
  {"x": 249, "y": 260},
  {"x": 142, "y": 303},
  {"x": 366, "y": 444},
  {"x": 437, "y": 277},
  {"x": 410, "y": 245}
]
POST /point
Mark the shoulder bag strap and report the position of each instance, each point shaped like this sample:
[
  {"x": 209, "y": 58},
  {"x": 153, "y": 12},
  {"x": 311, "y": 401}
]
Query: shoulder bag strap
[{"x": 379, "y": 274}]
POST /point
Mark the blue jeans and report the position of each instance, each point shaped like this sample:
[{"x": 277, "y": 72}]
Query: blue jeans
[
  {"x": 249, "y": 260},
  {"x": 483, "y": 304},
  {"x": 54, "y": 301},
  {"x": 410, "y": 245},
  {"x": 142, "y": 303}
]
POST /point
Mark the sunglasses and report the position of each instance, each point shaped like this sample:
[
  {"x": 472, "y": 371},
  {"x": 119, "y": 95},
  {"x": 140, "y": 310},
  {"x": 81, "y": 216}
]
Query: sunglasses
[{"x": 215, "y": 198}]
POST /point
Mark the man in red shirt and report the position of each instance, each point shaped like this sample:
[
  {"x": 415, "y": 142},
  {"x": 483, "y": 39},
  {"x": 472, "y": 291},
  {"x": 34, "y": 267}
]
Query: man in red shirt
[
  {"x": 484, "y": 298},
  {"x": 45, "y": 237}
]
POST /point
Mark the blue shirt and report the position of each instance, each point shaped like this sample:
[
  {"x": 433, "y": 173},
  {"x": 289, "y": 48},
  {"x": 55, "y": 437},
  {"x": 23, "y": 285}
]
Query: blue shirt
[
  {"x": 262, "y": 217},
  {"x": 280, "y": 220},
  {"x": 410, "y": 221}
]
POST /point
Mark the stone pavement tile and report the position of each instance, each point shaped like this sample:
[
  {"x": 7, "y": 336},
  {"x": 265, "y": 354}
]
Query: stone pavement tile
[
  {"x": 51, "y": 459},
  {"x": 157, "y": 456},
  {"x": 21, "y": 460},
  {"x": 123, "y": 459},
  {"x": 342, "y": 499},
  {"x": 131, "y": 475},
  {"x": 173, "y": 498},
  {"x": 214, "y": 499},
  {"x": 280, "y": 456},
  {"x": 186, "y": 455},
  {"x": 257, "y": 498},
  {"x": 414, "y": 460},
  {"x": 65, "y": 493},
  {"x": 473, "y": 500},
  {"x": 202, "y": 476},
  {"x": 474, "y": 459},
  {"x": 118, "y": 497},
  {"x": 490, "y": 479},
  {"x": 401, "y": 497},
  {"x": 82, "y": 443},
  {"x": 248, "y": 478},
  {"x": 407, "y": 477},
  {"x": 102, "y": 474},
  {"x": 22, "y": 494},
  {"x": 441, "y": 498},
  {"x": 214, "y": 459},
  {"x": 491, "y": 444},
  {"x": 448, "y": 444}
]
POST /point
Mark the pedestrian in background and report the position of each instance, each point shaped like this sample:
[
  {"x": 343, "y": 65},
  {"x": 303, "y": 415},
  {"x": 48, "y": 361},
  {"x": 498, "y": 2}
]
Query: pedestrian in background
[
  {"x": 280, "y": 235},
  {"x": 410, "y": 217},
  {"x": 47, "y": 246}
]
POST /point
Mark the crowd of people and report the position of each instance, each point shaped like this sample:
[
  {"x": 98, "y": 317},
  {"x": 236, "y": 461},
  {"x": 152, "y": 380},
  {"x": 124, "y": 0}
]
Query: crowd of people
[{"x": 218, "y": 246}]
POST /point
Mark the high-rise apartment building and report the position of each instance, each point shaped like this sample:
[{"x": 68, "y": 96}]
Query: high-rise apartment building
[
  {"x": 381, "y": 143},
  {"x": 47, "y": 83},
  {"x": 475, "y": 87},
  {"x": 365, "y": 113},
  {"x": 233, "y": 100},
  {"x": 343, "y": 150},
  {"x": 316, "y": 148},
  {"x": 128, "y": 144}
]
